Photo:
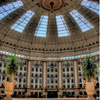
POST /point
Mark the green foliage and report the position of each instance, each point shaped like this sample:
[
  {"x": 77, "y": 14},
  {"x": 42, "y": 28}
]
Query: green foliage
[
  {"x": 11, "y": 65},
  {"x": 89, "y": 68},
  {"x": 64, "y": 94}
]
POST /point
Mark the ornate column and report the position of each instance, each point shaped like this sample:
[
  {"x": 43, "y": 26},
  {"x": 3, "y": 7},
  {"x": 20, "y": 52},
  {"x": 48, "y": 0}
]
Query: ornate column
[
  {"x": 44, "y": 75},
  {"x": 76, "y": 74},
  {"x": 60, "y": 79},
  {"x": 28, "y": 78},
  {"x": 76, "y": 78},
  {"x": 29, "y": 74},
  {"x": 60, "y": 75},
  {"x": 44, "y": 79}
]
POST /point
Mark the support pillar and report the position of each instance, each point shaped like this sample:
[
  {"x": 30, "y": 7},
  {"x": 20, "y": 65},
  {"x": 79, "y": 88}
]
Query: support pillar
[
  {"x": 44, "y": 79},
  {"x": 44, "y": 75},
  {"x": 60, "y": 79},
  {"x": 28, "y": 81},
  {"x": 76, "y": 78},
  {"x": 60, "y": 76}
]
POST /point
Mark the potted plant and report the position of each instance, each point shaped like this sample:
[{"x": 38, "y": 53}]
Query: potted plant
[
  {"x": 89, "y": 69},
  {"x": 11, "y": 67},
  {"x": 64, "y": 94}
]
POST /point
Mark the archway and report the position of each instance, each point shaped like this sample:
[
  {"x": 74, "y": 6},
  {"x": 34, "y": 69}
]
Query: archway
[{"x": 52, "y": 94}]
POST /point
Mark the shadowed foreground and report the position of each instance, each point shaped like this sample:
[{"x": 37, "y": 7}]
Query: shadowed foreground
[{"x": 50, "y": 99}]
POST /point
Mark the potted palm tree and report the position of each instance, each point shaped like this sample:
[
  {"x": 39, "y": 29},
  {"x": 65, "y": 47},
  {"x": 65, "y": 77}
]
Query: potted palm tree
[
  {"x": 11, "y": 67},
  {"x": 89, "y": 69}
]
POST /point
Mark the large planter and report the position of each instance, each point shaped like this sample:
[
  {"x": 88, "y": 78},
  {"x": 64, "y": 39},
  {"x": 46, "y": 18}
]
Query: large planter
[
  {"x": 9, "y": 87},
  {"x": 59, "y": 94},
  {"x": 90, "y": 89}
]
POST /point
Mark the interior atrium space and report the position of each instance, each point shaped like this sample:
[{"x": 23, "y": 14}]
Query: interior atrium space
[{"x": 49, "y": 49}]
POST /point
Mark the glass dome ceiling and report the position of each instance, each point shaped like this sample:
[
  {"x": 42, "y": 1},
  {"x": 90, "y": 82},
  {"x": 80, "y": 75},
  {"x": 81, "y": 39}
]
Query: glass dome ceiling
[
  {"x": 41, "y": 29},
  {"x": 29, "y": 26}
]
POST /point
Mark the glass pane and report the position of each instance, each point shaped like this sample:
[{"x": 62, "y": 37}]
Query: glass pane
[
  {"x": 42, "y": 27},
  {"x": 93, "y": 6},
  {"x": 82, "y": 22},
  {"x": 23, "y": 21},
  {"x": 61, "y": 26},
  {"x": 7, "y": 9}
]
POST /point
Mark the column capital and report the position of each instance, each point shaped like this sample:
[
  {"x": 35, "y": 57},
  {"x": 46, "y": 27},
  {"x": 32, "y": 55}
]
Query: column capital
[{"x": 28, "y": 87}]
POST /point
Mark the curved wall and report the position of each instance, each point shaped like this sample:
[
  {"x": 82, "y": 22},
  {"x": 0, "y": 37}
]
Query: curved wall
[{"x": 38, "y": 77}]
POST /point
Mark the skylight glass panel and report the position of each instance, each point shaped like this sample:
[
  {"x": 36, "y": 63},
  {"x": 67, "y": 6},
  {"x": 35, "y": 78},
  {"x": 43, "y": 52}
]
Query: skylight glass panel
[
  {"x": 7, "y": 9},
  {"x": 61, "y": 26},
  {"x": 91, "y": 5},
  {"x": 82, "y": 22},
  {"x": 23, "y": 21},
  {"x": 42, "y": 27}
]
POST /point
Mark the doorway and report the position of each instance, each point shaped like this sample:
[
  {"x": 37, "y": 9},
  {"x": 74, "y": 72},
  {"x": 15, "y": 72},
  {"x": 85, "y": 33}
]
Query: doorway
[{"x": 52, "y": 94}]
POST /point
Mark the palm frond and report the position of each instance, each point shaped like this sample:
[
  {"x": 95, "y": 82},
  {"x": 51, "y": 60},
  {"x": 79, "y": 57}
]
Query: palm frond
[
  {"x": 11, "y": 65},
  {"x": 89, "y": 68}
]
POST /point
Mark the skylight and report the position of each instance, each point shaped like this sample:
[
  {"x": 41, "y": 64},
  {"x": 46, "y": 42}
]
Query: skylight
[
  {"x": 7, "y": 9},
  {"x": 81, "y": 21},
  {"x": 61, "y": 26},
  {"x": 23, "y": 21},
  {"x": 42, "y": 27},
  {"x": 91, "y": 5}
]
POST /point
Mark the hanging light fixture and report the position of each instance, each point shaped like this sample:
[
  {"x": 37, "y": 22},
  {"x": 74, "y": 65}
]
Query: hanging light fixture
[{"x": 52, "y": 5}]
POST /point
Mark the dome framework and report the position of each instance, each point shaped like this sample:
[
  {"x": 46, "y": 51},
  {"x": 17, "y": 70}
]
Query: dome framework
[{"x": 27, "y": 43}]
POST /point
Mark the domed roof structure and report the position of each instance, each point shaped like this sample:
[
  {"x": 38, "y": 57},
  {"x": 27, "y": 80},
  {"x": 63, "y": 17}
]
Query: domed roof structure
[{"x": 49, "y": 28}]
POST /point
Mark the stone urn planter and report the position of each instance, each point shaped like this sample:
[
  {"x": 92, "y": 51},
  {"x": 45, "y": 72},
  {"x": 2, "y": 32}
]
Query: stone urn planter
[
  {"x": 9, "y": 87},
  {"x": 89, "y": 68},
  {"x": 60, "y": 94},
  {"x": 90, "y": 89},
  {"x": 11, "y": 68}
]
